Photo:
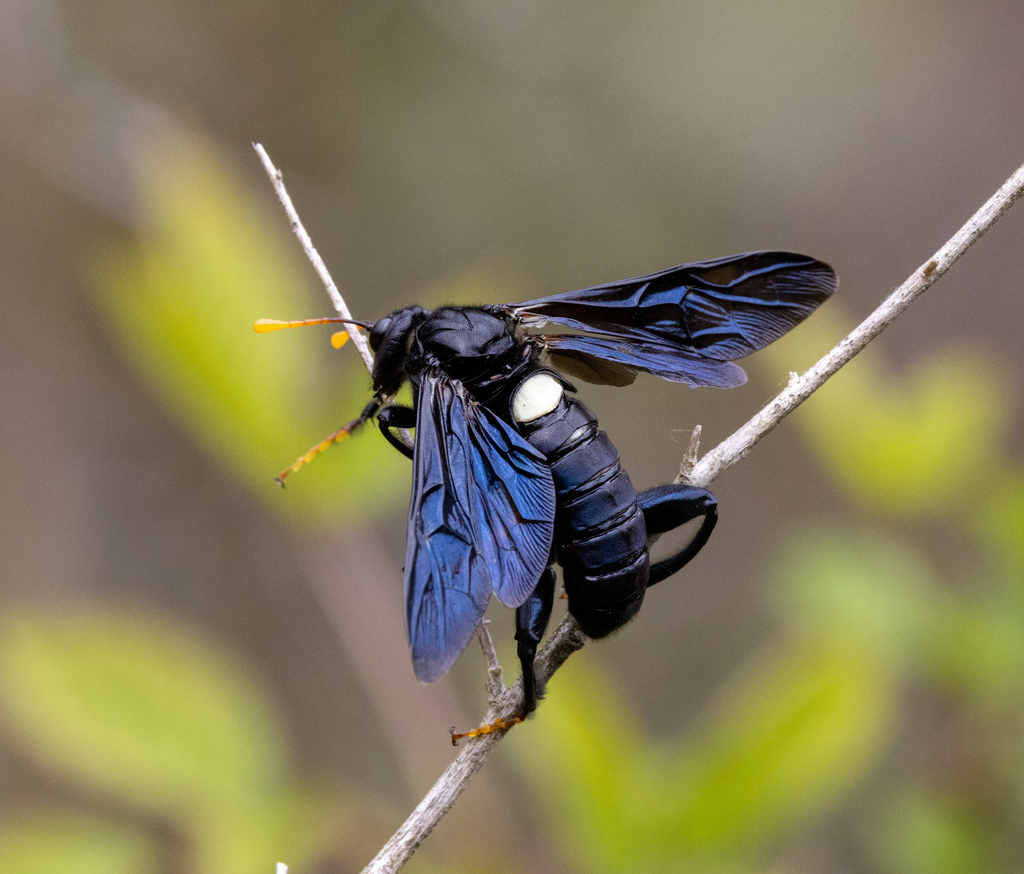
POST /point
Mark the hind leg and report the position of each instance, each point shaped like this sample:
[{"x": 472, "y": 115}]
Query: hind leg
[{"x": 666, "y": 508}]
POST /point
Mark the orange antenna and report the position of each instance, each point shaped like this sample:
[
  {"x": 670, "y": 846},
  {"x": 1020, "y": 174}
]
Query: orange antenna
[
  {"x": 338, "y": 339},
  {"x": 265, "y": 326}
]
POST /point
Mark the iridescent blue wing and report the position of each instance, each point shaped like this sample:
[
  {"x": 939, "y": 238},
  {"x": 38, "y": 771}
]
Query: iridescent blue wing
[
  {"x": 481, "y": 518},
  {"x": 681, "y": 320},
  {"x": 570, "y": 352}
]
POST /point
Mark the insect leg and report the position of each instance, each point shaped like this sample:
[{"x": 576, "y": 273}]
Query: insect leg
[
  {"x": 668, "y": 507},
  {"x": 531, "y": 622},
  {"x": 330, "y": 439},
  {"x": 396, "y": 417}
]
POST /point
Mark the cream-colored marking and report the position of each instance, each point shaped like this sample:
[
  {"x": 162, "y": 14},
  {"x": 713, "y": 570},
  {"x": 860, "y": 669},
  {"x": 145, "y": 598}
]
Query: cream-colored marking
[{"x": 536, "y": 397}]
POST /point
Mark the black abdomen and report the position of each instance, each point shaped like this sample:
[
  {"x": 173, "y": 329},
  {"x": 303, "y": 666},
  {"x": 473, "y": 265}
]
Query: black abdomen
[{"x": 600, "y": 535}]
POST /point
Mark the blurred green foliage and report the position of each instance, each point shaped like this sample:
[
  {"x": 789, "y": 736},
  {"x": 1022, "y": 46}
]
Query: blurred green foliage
[
  {"x": 181, "y": 299},
  {"x": 51, "y": 843},
  {"x": 132, "y": 708},
  {"x": 146, "y": 715},
  {"x": 786, "y": 739},
  {"x": 902, "y": 445}
]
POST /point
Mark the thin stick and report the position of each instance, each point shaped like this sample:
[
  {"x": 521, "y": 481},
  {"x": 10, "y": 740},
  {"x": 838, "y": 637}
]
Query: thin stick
[
  {"x": 495, "y": 683},
  {"x": 358, "y": 340},
  {"x": 736, "y": 446},
  {"x": 567, "y": 638}
]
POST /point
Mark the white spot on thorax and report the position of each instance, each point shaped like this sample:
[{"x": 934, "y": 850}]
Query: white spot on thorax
[{"x": 536, "y": 397}]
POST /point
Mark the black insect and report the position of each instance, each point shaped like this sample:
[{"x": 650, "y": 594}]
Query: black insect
[{"x": 511, "y": 474}]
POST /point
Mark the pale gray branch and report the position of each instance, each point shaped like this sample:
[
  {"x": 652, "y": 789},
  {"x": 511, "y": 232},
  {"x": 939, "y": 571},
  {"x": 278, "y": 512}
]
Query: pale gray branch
[
  {"x": 358, "y": 340},
  {"x": 736, "y": 446},
  {"x": 495, "y": 682},
  {"x": 567, "y": 638}
]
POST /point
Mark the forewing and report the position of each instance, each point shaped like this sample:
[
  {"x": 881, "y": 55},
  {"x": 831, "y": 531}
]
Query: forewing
[
  {"x": 481, "y": 517},
  {"x": 722, "y": 309},
  {"x": 447, "y": 580},
  {"x": 578, "y": 362}
]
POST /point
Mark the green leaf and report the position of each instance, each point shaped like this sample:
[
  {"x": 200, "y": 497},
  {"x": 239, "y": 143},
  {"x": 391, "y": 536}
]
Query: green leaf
[
  {"x": 181, "y": 300},
  {"x": 785, "y": 743},
  {"x": 63, "y": 843},
  {"x": 999, "y": 519},
  {"x": 925, "y": 833},
  {"x": 906, "y": 444},
  {"x": 976, "y": 651},
  {"x": 251, "y": 835},
  {"x": 584, "y": 760},
  {"x": 869, "y": 586},
  {"x": 133, "y": 706},
  {"x": 860, "y": 585},
  {"x": 581, "y": 759},
  {"x": 788, "y": 738}
]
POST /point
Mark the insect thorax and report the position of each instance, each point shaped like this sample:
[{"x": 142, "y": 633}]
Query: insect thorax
[{"x": 471, "y": 345}]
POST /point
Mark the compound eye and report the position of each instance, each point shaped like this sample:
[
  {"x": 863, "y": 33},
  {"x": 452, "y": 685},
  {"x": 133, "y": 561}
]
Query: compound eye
[{"x": 378, "y": 331}]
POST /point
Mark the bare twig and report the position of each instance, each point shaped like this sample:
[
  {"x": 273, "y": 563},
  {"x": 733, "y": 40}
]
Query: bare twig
[
  {"x": 736, "y": 446},
  {"x": 689, "y": 461},
  {"x": 358, "y": 340},
  {"x": 567, "y": 638},
  {"x": 495, "y": 683}
]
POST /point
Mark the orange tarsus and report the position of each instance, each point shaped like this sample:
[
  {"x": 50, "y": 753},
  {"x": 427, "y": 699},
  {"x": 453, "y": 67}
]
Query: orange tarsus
[
  {"x": 324, "y": 444},
  {"x": 486, "y": 728}
]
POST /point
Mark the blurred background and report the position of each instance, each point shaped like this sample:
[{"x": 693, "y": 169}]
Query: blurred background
[{"x": 200, "y": 672}]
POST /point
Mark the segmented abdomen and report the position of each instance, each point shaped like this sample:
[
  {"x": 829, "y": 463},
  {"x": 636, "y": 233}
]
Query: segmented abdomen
[{"x": 600, "y": 535}]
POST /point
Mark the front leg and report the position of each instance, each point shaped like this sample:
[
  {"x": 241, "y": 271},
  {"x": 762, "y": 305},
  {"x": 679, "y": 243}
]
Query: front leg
[
  {"x": 395, "y": 417},
  {"x": 668, "y": 507}
]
